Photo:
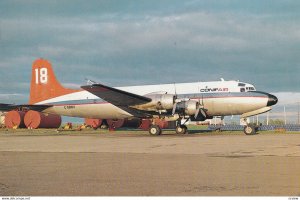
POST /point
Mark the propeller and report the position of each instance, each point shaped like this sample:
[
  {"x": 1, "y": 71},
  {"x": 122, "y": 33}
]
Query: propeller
[
  {"x": 90, "y": 82},
  {"x": 174, "y": 108},
  {"x": 175, "y": 90},
  {"x": 175, "y": 98},
  {"x": 176, "y": 103},
  {"x": 197, "y": 110},
  {"x": 200, "y": 108}
]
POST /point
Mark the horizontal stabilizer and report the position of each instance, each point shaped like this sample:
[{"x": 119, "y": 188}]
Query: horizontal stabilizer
[
  {"x": 5, "y": 107},
  {"x": 9, "y": 107}
]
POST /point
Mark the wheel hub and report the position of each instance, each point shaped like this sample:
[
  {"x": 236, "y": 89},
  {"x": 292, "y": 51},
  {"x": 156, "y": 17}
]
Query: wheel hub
[{"x": 248, "y": 129}]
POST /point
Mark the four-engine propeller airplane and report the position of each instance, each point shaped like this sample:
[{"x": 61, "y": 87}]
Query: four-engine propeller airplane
[{"x": 196, "y": 101}]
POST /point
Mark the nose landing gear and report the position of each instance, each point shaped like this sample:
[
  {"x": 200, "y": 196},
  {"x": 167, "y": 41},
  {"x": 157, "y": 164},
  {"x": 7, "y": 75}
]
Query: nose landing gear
[{"x": 250, "y": 129}]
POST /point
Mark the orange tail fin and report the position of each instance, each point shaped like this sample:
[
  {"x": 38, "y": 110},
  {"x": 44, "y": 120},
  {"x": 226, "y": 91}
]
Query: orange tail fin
[{"x": 44, "y": 84}]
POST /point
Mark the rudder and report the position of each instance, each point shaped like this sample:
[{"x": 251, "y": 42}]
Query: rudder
[{"x": 44, "y": 84}]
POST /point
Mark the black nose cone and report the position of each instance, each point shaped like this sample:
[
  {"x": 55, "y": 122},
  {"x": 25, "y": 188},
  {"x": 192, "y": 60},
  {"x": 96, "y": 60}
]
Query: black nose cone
[{"x": 272, "y": 100}]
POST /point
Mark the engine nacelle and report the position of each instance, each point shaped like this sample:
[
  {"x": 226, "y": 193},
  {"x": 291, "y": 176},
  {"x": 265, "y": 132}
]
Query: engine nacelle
[
  {"x": 189, "y": 107},
  {"x": 160, "y": 101}
]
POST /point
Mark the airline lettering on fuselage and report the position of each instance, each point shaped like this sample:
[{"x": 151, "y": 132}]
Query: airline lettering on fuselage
[
  {"x": 214, "y": 90},
  {"x": 69, "y": 107}
]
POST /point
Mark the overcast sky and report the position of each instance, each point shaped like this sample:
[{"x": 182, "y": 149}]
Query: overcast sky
[{"x": 151, "y": 41}]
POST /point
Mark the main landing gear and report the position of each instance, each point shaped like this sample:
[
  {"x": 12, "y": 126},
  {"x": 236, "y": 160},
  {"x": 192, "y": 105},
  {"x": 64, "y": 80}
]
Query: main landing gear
[
  {"x": 155, "y": 130},
  {"x": 181, "y": 129}
]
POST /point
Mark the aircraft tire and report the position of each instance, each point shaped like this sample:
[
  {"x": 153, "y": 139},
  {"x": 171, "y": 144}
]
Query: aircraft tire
[
  {"x": 154, "y": 130},
  {"x": 182, "y": 129},
  {"x": 249, "y": 130}
]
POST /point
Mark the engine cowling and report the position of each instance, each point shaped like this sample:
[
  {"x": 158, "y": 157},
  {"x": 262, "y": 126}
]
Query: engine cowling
[
  {"x": 189, "y": 107},
  {"x": 161, "y": 101}
]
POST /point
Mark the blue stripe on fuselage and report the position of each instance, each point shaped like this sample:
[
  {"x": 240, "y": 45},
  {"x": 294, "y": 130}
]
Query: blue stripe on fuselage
[
  {"x": 225, "y": 95},
  {"x": 193, "y": 96}
]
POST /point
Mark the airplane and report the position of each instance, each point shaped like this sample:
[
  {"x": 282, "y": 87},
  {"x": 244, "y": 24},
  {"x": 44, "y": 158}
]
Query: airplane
[{"x": 196, "y": 101}]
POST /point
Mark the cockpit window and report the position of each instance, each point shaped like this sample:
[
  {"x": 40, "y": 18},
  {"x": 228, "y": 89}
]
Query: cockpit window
[
  {"x": 250, "y": 88},
  {"x": 241, "y": 84},
  {"x": 242, "y": 90}
]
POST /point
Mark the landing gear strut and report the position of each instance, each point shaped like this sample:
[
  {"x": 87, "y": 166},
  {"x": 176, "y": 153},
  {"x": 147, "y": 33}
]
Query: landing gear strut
[{"x": 156, "y": 130}]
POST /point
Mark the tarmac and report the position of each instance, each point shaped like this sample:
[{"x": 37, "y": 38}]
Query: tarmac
[{"x": 136, "y": 164}]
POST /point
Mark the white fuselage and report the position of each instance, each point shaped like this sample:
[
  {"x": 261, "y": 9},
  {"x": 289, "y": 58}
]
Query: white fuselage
[{"x": 220, "y": 98}]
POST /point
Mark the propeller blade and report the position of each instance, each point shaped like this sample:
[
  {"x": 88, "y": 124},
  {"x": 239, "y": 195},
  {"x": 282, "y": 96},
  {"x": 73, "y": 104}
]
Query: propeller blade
[
  {"x": 197, "y": 112},
  {"x": 203, "y": 112},
  {"x": 174, "y": 108}
]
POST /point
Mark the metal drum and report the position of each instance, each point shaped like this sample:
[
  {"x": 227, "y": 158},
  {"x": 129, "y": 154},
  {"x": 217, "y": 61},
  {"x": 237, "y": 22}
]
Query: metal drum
[
  {"x": 34, "y": 120},
  {"x": 94, "y": 123},
  {"x": 15, "y": 119}
]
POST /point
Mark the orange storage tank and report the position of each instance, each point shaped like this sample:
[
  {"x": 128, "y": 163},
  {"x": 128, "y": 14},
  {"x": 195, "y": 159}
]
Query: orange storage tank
[
  {"x": 145, "y": 124},
  {"x": 115, "y": 123},
  {"x": 94, "y": 123},
  {"x": 15, "y": 119},
  {"x": 129, "y": 123},
  {"x": 161, "y": 123},
  {"x": 132, "y": 123},
  {"x": 34, "y": 119}
]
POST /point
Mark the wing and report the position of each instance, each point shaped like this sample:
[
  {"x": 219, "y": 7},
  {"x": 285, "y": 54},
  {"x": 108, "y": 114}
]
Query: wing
[
  {"x": 115, "y": 96},
  {"x": 9, "y": 107},
  {"x": 120, "y": 98}
]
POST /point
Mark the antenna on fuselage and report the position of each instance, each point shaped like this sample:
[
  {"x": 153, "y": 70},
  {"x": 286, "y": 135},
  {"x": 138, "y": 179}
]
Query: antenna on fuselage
[
  {"x": 175, "y": 91},
  {"x": 90, "y": 82}
]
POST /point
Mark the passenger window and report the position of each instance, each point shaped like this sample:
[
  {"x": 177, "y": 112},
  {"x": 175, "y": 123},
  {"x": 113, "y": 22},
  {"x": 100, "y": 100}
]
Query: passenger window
[{"x": 242, "y": 89}]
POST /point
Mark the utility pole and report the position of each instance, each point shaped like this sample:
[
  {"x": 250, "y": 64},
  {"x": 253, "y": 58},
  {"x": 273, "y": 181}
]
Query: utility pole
[
  {"x": 284, "y": 115},
  {"x": 298, "y": 112}
]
